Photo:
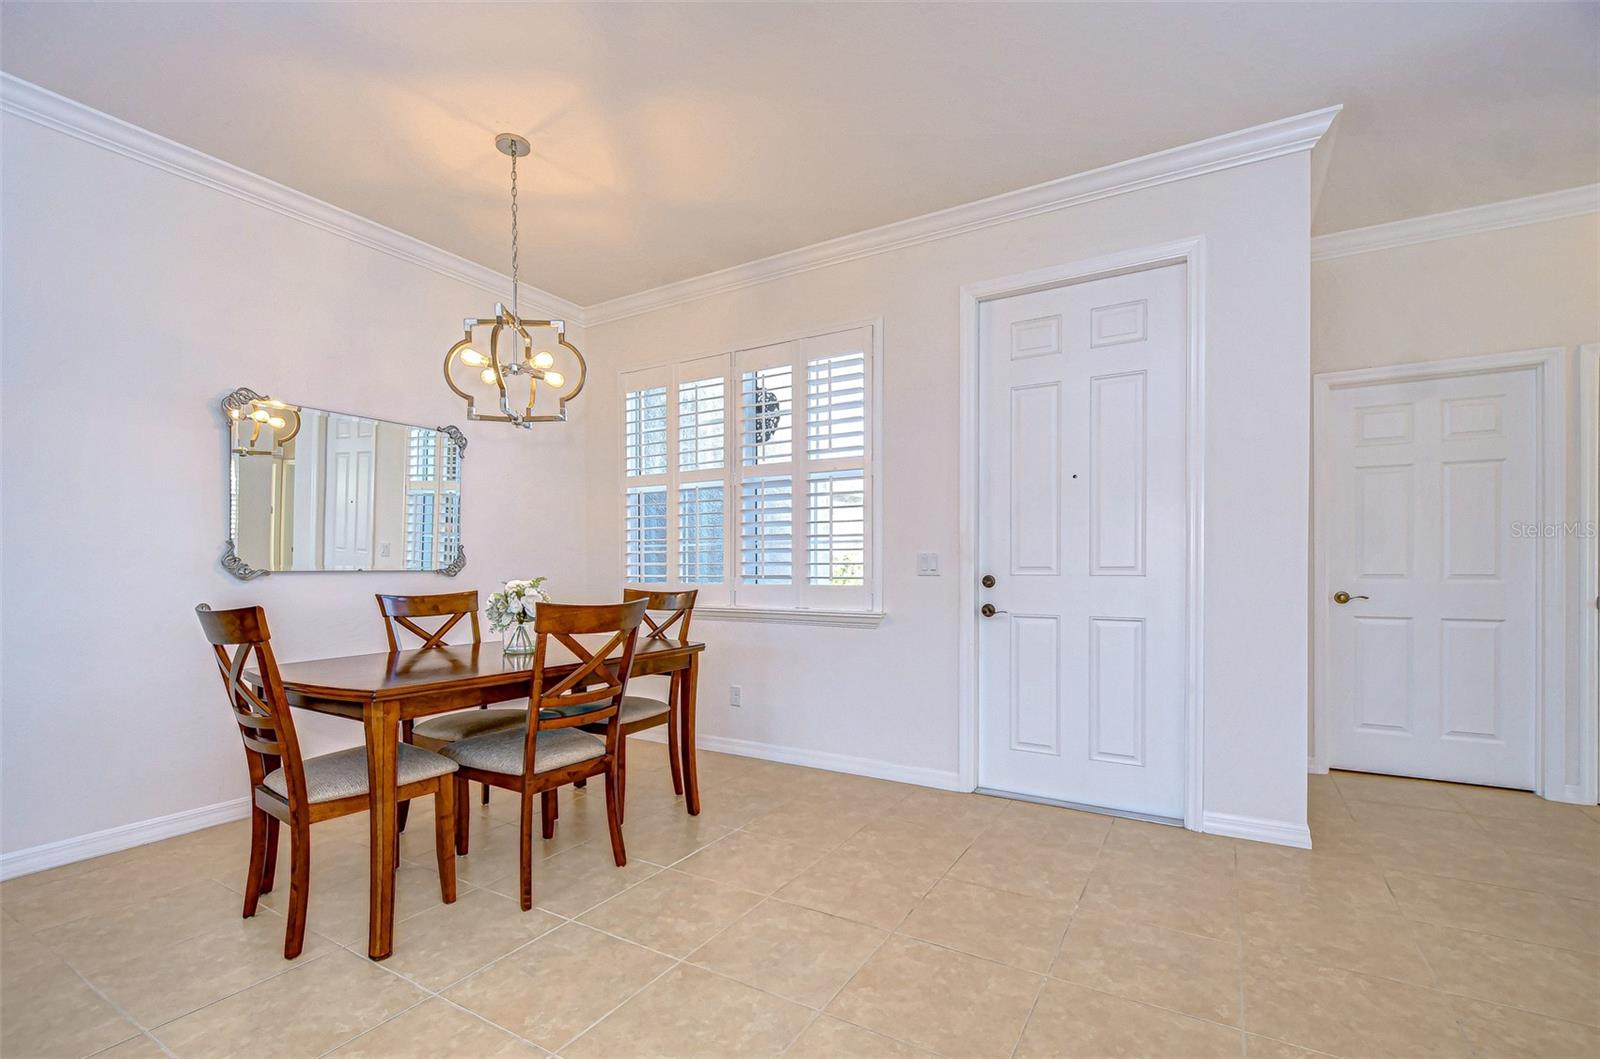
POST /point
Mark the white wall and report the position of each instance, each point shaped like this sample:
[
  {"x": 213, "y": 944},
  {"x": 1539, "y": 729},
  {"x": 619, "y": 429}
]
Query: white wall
[
  {"x": 134, "y": 295},
  {"x": 1493, "y": 292},
  {"x": 888, "y": 696},
  {"x": 1528, "y": 287}
]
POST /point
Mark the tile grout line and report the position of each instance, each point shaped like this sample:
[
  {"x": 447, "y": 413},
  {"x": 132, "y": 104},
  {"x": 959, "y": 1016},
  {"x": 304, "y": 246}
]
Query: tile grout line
[
  {"x": 1238, "y": 931},
  {"x": 894, "y": 932}
]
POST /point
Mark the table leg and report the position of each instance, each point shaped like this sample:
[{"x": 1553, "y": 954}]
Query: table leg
[
  {"x": 383, "y": 735},
  {"x": 691, "y": 773}
]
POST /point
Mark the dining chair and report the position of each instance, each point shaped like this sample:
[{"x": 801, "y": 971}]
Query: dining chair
[
  {"x": 550, "y": 749},
  {"x": 399, "y": 614},
  {"x": 642, "y": 712},
  {"x": 303, "y": 791}
]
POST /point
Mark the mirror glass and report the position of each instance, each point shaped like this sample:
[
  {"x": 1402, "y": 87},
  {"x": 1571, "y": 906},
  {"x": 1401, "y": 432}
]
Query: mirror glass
[{"x": 311, "y": 489}]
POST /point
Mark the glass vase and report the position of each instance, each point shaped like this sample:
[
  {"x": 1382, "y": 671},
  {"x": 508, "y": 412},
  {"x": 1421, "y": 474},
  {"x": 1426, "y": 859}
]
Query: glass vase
[{"x": 515, "y": 640}]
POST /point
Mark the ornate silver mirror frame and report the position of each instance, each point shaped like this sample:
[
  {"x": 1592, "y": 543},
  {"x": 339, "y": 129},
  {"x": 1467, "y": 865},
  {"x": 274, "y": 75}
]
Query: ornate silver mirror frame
[{"x": 239, "y": 403}]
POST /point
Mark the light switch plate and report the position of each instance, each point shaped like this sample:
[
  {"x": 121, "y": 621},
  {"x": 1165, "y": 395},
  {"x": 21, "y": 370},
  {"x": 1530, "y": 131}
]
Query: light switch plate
[{"x": 927, "y": 564}]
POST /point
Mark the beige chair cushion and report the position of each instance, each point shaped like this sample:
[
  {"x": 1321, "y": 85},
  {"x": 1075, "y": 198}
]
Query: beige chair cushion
[
  {"x": 344, "y": 774},
  {"x": 502, "y": 751},
  {"x": 639, "y": 708},
  {"x": 465, "y": 724}
]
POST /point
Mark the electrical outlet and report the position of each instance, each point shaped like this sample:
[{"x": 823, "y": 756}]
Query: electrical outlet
[
  {"x": 734, "y": 693},
  {"x": 383, "y": 550},
  {"x": 927, "y": 564}
]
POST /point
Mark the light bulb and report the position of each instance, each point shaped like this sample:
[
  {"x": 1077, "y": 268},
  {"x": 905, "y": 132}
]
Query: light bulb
[
  {"x": 260, "y": 415},
  {"x": 473, "y": 359},
  {"x": 543, "y": 360},
  {"x": 488, "y": 376},
  {"x": 277, "y": 422},
  {"x": 555, "y": 378}
]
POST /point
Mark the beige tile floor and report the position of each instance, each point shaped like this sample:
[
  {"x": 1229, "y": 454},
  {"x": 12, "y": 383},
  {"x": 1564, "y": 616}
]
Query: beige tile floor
[{"x": 807, "y": 914}]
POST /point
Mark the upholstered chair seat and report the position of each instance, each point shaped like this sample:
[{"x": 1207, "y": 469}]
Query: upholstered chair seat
[
  {"x": 344, "y": 774},
  {"x": 465, "y": 724},
  {"x": 640, "y": 708},
  {"x": 502, "y": 751}
]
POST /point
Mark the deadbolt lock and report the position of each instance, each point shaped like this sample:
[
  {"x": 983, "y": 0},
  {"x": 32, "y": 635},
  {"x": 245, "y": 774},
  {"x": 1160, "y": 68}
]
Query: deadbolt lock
[{"x": 988, "y": 581}]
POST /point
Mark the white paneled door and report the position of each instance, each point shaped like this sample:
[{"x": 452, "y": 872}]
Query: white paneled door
[
  {"x": 1082, "y": 531},
  {"x": 352, "y": 451},
  {"x": 1431, "y": 656}
]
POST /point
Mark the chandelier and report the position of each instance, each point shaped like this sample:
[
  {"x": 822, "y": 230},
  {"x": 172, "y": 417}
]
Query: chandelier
[
  {"x": 503, "y": 360},
  {"x": 249, "y": 410}
]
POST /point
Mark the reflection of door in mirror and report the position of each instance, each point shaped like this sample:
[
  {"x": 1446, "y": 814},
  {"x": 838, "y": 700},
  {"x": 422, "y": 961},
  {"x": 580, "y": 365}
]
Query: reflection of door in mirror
[{"x": 352, "y": 446}]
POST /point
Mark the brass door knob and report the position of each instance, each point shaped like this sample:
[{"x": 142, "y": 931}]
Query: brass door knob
[
  {"x": 1341, "y": 597},
  {"x": 987, "y": 610}
]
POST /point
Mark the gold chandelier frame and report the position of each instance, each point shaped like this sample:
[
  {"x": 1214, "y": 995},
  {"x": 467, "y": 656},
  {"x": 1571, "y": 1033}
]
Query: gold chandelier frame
[
  {"x": 497, "y": 369},
  {"x": 502, "y": 321}
]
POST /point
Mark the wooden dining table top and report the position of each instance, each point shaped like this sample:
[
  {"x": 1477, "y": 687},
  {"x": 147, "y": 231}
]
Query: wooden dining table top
[{"x": 386, "y": 675}]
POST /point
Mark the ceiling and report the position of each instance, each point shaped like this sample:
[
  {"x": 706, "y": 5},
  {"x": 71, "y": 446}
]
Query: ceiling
[{"x": 672, "y": 140}]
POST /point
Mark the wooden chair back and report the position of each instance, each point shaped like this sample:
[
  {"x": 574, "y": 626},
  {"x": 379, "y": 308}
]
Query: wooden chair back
[
  {"x": 266, "y": 725},
  {"x": 591, "y": 693},
  {"x": 676, "y": 608},
  {"x": 452, "y": 606}
]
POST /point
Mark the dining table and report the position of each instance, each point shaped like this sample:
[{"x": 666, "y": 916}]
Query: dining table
[{"x": 384, "y": 689}]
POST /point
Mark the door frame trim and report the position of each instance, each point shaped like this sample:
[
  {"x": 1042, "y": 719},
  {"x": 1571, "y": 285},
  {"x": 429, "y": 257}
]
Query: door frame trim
[
  {"x": 1191, "y": 253},
  {"x": 1549, "y": 366},
  {"x": 1586, "y": 609}
]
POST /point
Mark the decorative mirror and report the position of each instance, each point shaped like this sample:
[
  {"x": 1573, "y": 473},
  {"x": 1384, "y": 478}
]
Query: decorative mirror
[{"x": 310, "y": 489}]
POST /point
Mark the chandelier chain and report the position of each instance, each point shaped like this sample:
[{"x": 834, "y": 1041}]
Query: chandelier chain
[{"x": 514, "y": 284}]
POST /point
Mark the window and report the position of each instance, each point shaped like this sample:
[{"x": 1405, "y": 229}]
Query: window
[
  {"x": 433, "y": 500},
  {"x": 748, "y": 475}
]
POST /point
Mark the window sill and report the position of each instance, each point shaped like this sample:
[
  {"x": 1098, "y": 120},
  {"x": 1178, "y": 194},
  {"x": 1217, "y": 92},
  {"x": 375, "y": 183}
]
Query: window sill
[{"x": 849, "y": 619}]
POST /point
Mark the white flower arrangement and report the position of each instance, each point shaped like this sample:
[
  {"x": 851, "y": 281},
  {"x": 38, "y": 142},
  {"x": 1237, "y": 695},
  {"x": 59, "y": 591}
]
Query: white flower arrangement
[{"x": 515, "y": 603}]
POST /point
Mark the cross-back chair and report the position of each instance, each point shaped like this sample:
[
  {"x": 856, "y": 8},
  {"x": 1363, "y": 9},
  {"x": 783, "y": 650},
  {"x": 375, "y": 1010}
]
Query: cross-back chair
[
  {"x": 550, "y": 749},
  {"x": 399, "y": 617},
  {"x": 286, "y": 787},
  {"x": 667, "y": 616}
]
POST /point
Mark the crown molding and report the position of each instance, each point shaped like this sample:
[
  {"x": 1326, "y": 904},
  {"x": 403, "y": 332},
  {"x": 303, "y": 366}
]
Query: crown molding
[
  {"x": 29, "y": 101},
  {"x": 1512, "y": 213},
  {"x": 1257, "y": 144},
  {"x": 26, "y": 100}
]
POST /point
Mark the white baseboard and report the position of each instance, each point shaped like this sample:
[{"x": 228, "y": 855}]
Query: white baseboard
[
  {"x": 1572, "y": 793},
  {"x": 115, "y": 839},
  {"x": 1255, "y": 829},
  {"x": 821, "y": 759}
]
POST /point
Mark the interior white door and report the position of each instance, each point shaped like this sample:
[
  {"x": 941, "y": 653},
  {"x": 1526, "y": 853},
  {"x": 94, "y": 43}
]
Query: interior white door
[
  {"x": 1431, "y": 665},
  {"x": 352, "y": 451},
  {"x": 1081, "y": 526}
]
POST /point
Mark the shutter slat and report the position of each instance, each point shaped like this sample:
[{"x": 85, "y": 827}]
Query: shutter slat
[
  {"x": 836, "y": 401},
  {"x": 700, "y": 534},
  {"x": 766, "y": 531},
  {"x": 766, "y": 415},
  {"x": 836, "y": 528},
  {"x": 645, "y": 432},
  {"x": 645, "y": 534},
  {"x": 702, "y": 423}
]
